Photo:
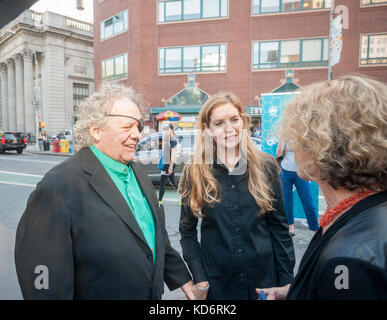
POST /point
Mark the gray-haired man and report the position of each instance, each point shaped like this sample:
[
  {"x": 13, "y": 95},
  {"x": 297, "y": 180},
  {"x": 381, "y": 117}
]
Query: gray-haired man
[{"x": 93, "y": 221}]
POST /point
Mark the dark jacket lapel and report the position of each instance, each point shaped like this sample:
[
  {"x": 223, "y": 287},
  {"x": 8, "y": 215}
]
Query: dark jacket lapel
[
  {"x": 107, "y": 190},
  {"x": 148, "y": 191}
]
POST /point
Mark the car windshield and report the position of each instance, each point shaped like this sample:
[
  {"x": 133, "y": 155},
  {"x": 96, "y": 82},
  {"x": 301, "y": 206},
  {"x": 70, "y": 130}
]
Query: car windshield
[
  {"x": 12, "y": 136},
  {"x": 186, "y": 140}
]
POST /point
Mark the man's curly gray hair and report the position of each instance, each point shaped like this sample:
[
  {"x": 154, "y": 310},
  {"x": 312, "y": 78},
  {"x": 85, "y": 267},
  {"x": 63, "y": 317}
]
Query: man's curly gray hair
[{"x": 93, "y": 110}]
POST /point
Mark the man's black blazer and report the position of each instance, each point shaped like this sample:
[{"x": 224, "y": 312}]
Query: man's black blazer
[{"x": 78, "y": 229}]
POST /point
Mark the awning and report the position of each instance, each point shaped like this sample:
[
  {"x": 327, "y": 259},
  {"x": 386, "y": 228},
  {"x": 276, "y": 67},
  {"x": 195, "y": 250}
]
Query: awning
[{"x": 168, "y": 115}]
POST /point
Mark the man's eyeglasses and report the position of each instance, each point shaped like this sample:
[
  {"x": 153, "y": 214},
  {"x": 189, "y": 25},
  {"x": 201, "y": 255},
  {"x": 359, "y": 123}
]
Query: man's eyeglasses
[{"x": 139, "y": 121}]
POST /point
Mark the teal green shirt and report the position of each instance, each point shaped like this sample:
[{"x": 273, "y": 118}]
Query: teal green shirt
[{"x": 125, "y": 180}]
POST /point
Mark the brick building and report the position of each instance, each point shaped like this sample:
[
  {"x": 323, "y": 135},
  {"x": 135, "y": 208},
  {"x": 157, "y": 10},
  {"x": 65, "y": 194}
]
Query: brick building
[
  {"x": 160, "y": 47},
  {"x": 46, "y": 60}
]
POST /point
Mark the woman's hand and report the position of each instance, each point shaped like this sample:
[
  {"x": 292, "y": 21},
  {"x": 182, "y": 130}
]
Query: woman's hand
[
  {"x": 275, "y": 293},
  {"x": 200, "y": 290},
  {"x": 170, "y": 170},
  {"x": 187, "y": 289}
]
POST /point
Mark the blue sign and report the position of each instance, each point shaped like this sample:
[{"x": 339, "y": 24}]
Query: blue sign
[{"x": 273, "y": 105}]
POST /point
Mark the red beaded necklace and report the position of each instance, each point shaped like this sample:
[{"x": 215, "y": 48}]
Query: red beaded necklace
[{"x": 330, "y": 214}]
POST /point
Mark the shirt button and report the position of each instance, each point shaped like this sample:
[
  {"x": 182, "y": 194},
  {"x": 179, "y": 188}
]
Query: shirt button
[
  {"x": 240, "y": 250},
  {"x": 237, "y": 229},
  {"x": 233, "y": 186}
]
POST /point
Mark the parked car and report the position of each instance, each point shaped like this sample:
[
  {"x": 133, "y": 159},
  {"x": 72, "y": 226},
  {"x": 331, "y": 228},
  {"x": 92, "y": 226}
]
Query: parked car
[
  {"x": 63, "y": 135},
  {"x": 149, "y": 151},
  {"x": 13, "y": 141},
  {"x": 258, "y": 142}
]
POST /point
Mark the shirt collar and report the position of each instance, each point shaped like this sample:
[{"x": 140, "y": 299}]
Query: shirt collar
[
  {"x": 111, "y": 164},
  {"x": 218, "y": 164}
]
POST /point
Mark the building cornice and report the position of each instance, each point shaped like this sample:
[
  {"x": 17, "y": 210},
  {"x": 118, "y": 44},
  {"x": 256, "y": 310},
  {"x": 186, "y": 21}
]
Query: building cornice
[{"x": 48, "y": 22}]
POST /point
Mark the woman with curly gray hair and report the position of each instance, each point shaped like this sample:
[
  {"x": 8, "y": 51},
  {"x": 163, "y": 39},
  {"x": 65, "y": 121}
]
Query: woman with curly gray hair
[{"x": 338, "y": 131}]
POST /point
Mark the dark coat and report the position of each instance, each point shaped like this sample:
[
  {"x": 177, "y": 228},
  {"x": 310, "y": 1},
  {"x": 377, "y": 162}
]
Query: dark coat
[
  {"x": 79, "y": 226},
  {"x": 239, "y": 249},
  {"x": 348, "y": 261}
]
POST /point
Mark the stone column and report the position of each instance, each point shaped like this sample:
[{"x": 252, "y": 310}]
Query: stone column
[
  {"x": 4, "y": 95},
  {"x": 28, "y": 92},
  {"x": 11, "y": 95},
  {"x": 19, "y": 81}
]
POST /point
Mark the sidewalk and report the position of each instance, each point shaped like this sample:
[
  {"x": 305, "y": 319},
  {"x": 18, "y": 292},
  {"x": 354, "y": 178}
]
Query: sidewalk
[
  {"x": 31, "y": 149},
  {"x": 9, "y": 289}
]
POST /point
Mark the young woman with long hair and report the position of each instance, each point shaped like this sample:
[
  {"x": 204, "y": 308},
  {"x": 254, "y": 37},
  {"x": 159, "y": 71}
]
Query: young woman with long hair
[{"x": 234, "y": 188}]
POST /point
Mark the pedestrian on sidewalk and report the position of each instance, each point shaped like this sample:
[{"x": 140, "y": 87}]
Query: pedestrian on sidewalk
[
  {"x": 40, "y": 138},
  {"x": 169, "y": 147},
  {"x": 338, "y": 131},
  {"x": 289, "y": 178},
  {"x": 29, "y": 138},
  {"x": 93, "y": 222},
  {"x": 235, "y": 189}
]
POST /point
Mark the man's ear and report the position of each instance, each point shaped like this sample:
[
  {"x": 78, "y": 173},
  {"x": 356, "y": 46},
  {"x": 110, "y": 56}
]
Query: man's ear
[{"x": 95, "y": 133}]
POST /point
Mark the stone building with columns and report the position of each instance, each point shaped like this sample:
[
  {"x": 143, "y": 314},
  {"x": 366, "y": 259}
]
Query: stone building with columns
[{"x": 46, "y": 65}]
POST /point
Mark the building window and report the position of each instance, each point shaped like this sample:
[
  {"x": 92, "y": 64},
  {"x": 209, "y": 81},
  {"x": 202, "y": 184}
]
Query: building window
[
  {"x": 80, "y": 92},
  {"x": 115, "y": 68},
  {"x": 275, "y": 6},
  {"x": 290, "y": 53},
  {"x": 206, "y": 58},
  {"x": 371, "y": 2},
  {"x": 114, "y": 25},
  {"x": 179, "y": 10},
  {"x": 373, "y": 49}
]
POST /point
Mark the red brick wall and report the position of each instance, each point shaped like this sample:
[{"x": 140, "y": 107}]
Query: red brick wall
[{"x": 145, "y": 36}]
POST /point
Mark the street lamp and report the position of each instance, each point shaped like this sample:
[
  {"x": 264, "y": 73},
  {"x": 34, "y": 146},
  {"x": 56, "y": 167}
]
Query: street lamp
[
  {"x": 72, "y": 133},
  {"x": 80, "y": 5},
  {"x": 35, "y": 104}
]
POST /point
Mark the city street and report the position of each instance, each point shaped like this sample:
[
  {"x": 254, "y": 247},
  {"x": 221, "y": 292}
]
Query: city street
[{"x": 19, "y": 175}]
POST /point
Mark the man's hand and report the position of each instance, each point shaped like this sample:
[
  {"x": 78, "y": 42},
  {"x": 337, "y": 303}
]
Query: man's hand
[
  {"x": 201, "y": 294},
  {"x": 170, "y": 170},
  {"x": 275, "y": 293},
  {"x": 187, "y": 289}
]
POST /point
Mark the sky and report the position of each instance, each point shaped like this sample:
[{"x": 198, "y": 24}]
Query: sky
[{"x": 66, "y": 8}]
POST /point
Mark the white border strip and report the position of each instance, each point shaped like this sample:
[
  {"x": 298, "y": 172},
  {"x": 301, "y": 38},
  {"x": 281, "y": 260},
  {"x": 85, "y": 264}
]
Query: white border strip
[
  {"x": 21, "y": 174},
  {"x": 18, "y": 184}
]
